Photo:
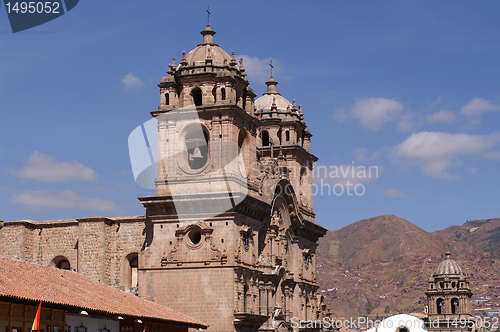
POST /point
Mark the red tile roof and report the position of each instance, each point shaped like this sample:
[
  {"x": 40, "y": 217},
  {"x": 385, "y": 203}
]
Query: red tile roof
[{"x": 28, "y": 281}]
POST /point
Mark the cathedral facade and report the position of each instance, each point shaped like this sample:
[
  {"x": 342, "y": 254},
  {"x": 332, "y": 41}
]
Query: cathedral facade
[{"x": 229, "y": 237}]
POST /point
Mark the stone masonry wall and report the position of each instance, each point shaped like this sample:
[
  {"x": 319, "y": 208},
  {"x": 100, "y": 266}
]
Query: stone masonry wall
[
  {"x": 196, "y": 293},
  {"x": 96, "y": 247}
]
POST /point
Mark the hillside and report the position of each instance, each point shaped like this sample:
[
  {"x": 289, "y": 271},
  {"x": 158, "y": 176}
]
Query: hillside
[
  {"x": 380, "y": 266},
  {"x": 482, "y": 234}
]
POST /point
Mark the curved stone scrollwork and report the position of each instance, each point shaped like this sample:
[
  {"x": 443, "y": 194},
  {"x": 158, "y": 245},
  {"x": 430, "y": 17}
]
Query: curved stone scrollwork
[
  {"x": 194, "y": 238},
  {"x": 216, "y": 254},
  {"x": 170, "y": 258}
]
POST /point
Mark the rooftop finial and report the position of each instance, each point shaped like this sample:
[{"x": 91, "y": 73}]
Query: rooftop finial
[
  {"x": 233, "y": 62},
  {"x": 171, "y": 67},
  {"x": 274, "y": 107},
  {"x": 271, "y": 86},
  {"x": 271, "y": 65},
  {"x": 184, "y": 60},
  {"x": 208, "y": 35},
  {"x": 208, "y": 15}
]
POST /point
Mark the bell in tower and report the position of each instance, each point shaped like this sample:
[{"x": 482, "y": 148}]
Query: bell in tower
[{"x": 449, "y": 298}]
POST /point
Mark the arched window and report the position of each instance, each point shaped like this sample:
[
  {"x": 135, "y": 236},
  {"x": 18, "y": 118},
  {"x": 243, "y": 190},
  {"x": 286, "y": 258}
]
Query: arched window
[
  {"x": 214, "y": 93},
  {"x": 61, "y": 262},
  {"x": 241, "y": 139},
  {"x": 197, "y": 96},
  {"x": 265, "y": 138},
  {"x": 223, "y": 93},
  {"x": 246, "y": 240},
  {"x": 262, "y": 241},
  {"x": 245, "y": 298},
  {"x": 134, "y": 265},
  {"x": 130, "y": 280},
  {"x": 307, "y": 260},
  {"x": 287, "y": 136},
  {"x": 167, "y": 99},
  {"x": 306, "y": 309},
  {"x": 64, "y": 265},
  {"x": 440, "y": 306},
  {"x": 455, "y": 304}
]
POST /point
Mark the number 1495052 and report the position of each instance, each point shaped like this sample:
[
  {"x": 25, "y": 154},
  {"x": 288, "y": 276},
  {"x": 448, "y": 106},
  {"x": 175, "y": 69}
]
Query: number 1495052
[{"x": 33, "y": 7}]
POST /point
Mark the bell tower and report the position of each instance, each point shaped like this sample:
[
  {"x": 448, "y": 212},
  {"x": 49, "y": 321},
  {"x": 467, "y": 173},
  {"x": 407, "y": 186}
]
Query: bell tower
[
  {"x": 449, "y": 297},
  {"x": 230, "y": 232},
  {"x": 286, "y": 140}
]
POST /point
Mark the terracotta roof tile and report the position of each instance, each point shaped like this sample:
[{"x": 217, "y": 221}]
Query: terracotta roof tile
[{"x": 23, "y": 280}]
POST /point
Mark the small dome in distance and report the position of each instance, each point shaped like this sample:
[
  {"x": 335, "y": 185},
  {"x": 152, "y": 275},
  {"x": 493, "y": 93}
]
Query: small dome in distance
[{"x": 448, "y": 267}]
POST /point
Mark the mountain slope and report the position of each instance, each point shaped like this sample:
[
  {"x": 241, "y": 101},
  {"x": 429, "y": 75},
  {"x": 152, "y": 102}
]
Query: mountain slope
[
  {"x": 380, "y": 266},
  {"x": 481, "y": 234},
  {"x": 382, "y": 238}
]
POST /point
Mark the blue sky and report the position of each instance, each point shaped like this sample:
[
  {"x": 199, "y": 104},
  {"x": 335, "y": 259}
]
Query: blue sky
[{"x": 411, "y": 88}]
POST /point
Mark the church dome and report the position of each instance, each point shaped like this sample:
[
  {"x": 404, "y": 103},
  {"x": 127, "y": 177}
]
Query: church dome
[
  {"x": 272, "y": 98},
  {"x": 266, "y": 102},
  {"x": 400, "y": 323},
  {"x": 448, "y": 267},
  {"x": 208, "y": 50}
]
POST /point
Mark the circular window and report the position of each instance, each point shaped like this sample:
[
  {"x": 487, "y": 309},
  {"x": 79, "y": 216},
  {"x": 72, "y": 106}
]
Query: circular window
[{"x": 195, "y": 236}]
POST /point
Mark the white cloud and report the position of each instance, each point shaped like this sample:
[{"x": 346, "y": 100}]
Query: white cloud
[
  {"x": 391, "y": 192},
  {"x": 258, "y": 70},
  {"x": 442, "y": 116},
  {"x": 66, "y": 199},
  {"x": 374, "y": 112},
  {"x": 435, "y": 152},
  {"x": 47, "y": 169},
  {"x": 477, "y": 106},
  {"x": 132, "y": 81}
]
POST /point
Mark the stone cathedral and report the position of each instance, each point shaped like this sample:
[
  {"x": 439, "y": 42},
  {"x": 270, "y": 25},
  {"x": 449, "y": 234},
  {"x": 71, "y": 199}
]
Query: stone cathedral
[{"x": 229, "y": 237}]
